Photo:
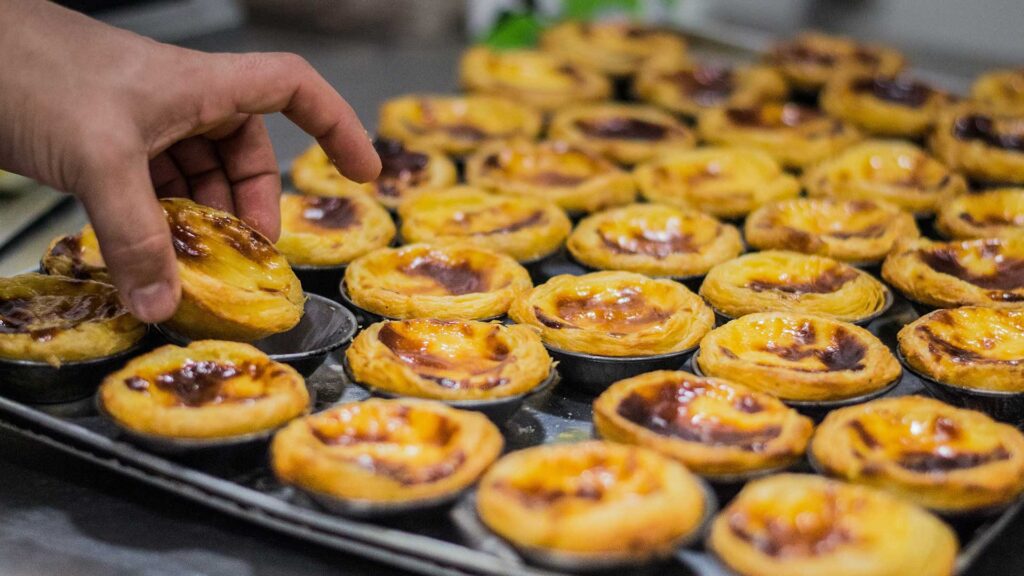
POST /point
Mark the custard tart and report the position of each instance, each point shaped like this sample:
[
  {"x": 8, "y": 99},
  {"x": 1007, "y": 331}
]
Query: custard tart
[
  {"x": 539, "y": 79},
  {"x": 448, "y": 359},
  {"x": 852, "y": 231},
  {"x": 331, "y": 230},
  {"x": 654, "y": 239},
  {"x": 988, "y": 272},
  {"x": 804, "y": 524},
  {"x": 890, "y": 170},
  {"x": 994, "y": 213},
  {"x": 688, "y": 89},
  {"x": 615, "y": 48},
  {"x": 799, "y": 357},
  {"x": 811, "y": 59},
  {"x": 448, "y": 282},
  {"x": 210, "y": 389},
  {"x": 776, "y": 280},
  {"x": 592, "y": 499},
  {"x": 724, "y": 182},
  {"x": 943, "y": 458},
  {"x": 234, "y": 284},
  {"x": 1001, "y": 91},
  {"x": 985, "y": 146},
  {"x": 76, "y": 256},
  {"x": 614, "y": 314},
  {"x": 575, "y": 178},
  {"x": 884, "y": 105},
  {"x": 405, "y": 172},
  {"x": 456, "y": 125},
  {"x": 793, "y": 134},
  {"x": 714, "y": 427},
  {"x": 524, "y": 227},
  {"x": 54, "y": 319},
  {"x": 624, "y": 133},
  {"x": 385, "y": 452}
]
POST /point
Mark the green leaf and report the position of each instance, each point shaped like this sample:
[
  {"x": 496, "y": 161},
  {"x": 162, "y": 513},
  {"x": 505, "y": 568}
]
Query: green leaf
[
  {"x": 514, "y": 30},
  {"x": 590, "y": 9}
]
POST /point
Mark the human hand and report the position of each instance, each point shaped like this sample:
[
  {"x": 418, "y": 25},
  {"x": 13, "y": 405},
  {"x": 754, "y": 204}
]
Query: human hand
[{"x": 119, "y": 120}]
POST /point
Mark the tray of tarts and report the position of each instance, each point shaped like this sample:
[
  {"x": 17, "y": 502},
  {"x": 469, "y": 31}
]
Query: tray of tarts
[{"x": 601, "y": 416}]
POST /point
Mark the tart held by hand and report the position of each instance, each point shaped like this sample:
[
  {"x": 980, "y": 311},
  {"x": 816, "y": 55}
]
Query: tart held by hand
[
  {"x": 714, "y": 427},
  {"x": 853, "y": 231},
  {"x": 524, "y": 227},
  {"x": 76, "y": 256},
  {"x": 449, "y": 359},
  {"x": 54, "y": 319},
  {"x": 776, "y": 280},
  {"x": 616, "y": 48},
  {"x": 898, "y": 106},
  {"x": 940, "y": 457},
  {"x": 687, "y": 89},
  {"x": 386, "y": 451},
  {"x": 993, "y": 213},
  {"x": 331, "y": 230},
  {"x": 983, "y": 145},
  {"x": 724, "y": 182},
  {"x": 804, "y": 524},
  {"x": 623, "y": 133},
  {"x": 210, "y": 389},
  {"x": 234, "y": 284},
  {"x": 811, "y": 59},
  {"x": 654, "y": 239},
  {"x": 444, "y": 281},
  {"x": 1001, "y": 91},
  {"x": 614, "y": 314},
  {"x": 798, "y": 357}
]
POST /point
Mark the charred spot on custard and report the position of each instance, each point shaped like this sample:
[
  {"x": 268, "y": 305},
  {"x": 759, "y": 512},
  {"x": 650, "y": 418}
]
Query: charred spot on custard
[
  {"x": 400, "y": 168},
  {"x": 330, "y": 212},
  {"x": 628, "y": 308},
  {"x": 413, "y": 352},
  {"x": 622, "y": 128},
  {"x": 656, "y": 243},
  {"x": 984, "y": 129},
  {"x": 44, "y": 316},
  {"x": 827, "y": 282},
  {"x": 843, "y": 352},
  {"x": 790, "y": 116},
  {"x": 821, "y": 531},
  {"x": 706, "y": 85},
  {"x": 457, "y": 278},
  {"x": 200, "y": 383},
  {"x": 902, "y": 91},
  {"x": 1008, "y": 274}
]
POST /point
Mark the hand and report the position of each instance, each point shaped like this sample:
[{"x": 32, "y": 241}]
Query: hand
[{"x": 119, "y": 120}]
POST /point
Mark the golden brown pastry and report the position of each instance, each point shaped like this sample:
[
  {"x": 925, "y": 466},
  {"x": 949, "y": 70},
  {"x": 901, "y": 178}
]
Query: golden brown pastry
[
  {"x": 654, "y": 239},
  {"x": 1001, "y": 91},
  {"x": 456, "y": 125},
  {"x": 724, "y": 182},
  {"x": 332, "y": 230},
  {"x": 536, "y": 78},
  {"x": 885, "y": 105},
  {"x": 811, "y": 59},
  {"x": 405, "y": 172},
  {"x": 687, "y": 89},
  {"x": 890, "y": 170},
  {"x": 386, "y": 451},
  {"x": 990, "y": 214},
  {"x": 623, "y": 133},
  {"x": 966, "y": 272},
  {"x": 798, "y": 357},
  {"x": 616, "y": 48},
  {"x": 983, "y": 145},
  {"x": 853, "y": 231},
  {"x": 449, "y": 359},
  {"x": 592, "y": 499},
  {"x": 573, "y": 177},
  {"x": 211, "y": 389},
  {"x": 940, "y": 457},
  {"x": 76, "y": 256},
  {"x": 448, "y": 282},
  {"x": 713, "y": 427},
  {"x": 524, "y": 227},
  {"x": 794, "y": 135},
  {"x": 55, "y": 319},
  {"x": 614, "y": 314},
  {"x": 234, "y": 284},
  {"x": 775, "y": 280},
  {"x": 803, "y": 524}
]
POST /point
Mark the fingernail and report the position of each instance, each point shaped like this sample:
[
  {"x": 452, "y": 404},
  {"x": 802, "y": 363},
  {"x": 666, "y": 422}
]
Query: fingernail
[{"x": 153, "y": 302}]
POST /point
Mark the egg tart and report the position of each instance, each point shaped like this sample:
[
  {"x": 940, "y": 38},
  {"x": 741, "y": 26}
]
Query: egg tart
[
  {"x": 448, "y": 359},
  {"x": 793, "y": 134},
  {"x": 724, "y": 182},
  {"x": 385, "y": 453},
  {"x": 448, "y": 282},
  {"x": 688, "y": 89},
  {"x": 890, "y": 170},
  {"x": 714, "y": 427},
  {"x": 234, "y": 284},
  {"x": 654, "y": 239},
  {"x": 1001, "y": 91},
  {"x": 804, "y": 524},
  {"x": 811, "y": 59},
  {"x": 985, "y": 146},
  {"x": 616, "y": 48},
  {"x": 614, "y": 314},
  {"x": 575, "y": 178},
  {"x": 405, "y": 172},
  {"x": 966, "y": 272},
  {"x": 588, "y": 500},
  {"x": 54, "y": 319},
  {"x": 523, "y": 227},
  {"x": 76, "y": 256},
  {"x": 853, "y": 231},
  {"x": 991, "y": 214},
  {"x": 943, "y": 458},
  {"x": 209, "y": 389},
  {"x": 898, "y": 106},
  {"x": 776, "y": 280},
  {"x": 623, "y": 133},
  {"x": 456, "y": 125},
  {"x": 331, "y": 230}
]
